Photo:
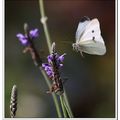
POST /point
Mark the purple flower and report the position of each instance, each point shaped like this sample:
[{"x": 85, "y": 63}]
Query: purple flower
[
  {"x": 61, "y": 58},
  {"x": 34, "y": 33},
  {"x": 50, "y": 58},
  {"x": 45, "y": 65},
  {"x": 24, "y": 38},
  {"x": 49, "y": 73},
  {"x": 57, "y": 57},
  {"x": 48, "y": 67}
]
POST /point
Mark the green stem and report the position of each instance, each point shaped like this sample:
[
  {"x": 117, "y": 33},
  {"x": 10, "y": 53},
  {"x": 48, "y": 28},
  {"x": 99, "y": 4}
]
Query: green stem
[
  {"x": 43, "y": 21},
  {"x": 44, "y": 18},
  {"x": 63, "y": 108},
  {"x": 67, "y": 105},
  {"x": 53, "y": 94}
]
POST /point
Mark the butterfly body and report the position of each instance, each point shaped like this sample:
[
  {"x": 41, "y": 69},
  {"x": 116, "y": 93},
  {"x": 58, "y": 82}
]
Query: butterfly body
[{"x": 88, "y": 38}]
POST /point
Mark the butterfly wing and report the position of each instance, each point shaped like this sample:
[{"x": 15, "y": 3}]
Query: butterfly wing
[
  {"x": 81, "y": 28},
  {"x": 92, "y": 47},
  {"x": 92, "y": 31},
  {"x": 91, "y": 41}
]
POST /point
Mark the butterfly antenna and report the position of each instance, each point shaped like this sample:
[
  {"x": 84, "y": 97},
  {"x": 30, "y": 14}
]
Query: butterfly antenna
[{"x": 66, "y": 42}]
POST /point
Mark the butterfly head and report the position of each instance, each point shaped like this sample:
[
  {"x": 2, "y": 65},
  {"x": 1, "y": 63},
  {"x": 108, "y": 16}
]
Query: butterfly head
[{"x": 76, "y": 47}]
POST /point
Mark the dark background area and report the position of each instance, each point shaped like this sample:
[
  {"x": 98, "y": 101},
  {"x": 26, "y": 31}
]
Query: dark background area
[{"x": 91, "y": 84}]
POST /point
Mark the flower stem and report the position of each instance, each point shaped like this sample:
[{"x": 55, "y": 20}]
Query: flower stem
[
  {"x": 67, "y": 105},
  {"x": 63, "y": 108},
  {"x": 43, "y": 21},
  {"x": 53, "y": 94}
]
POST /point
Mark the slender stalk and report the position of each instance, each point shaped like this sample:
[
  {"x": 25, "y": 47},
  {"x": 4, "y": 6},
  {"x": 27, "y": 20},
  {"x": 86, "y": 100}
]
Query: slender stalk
[
  {"x": 67, "y": 105},
  {"x": 53, "y": 94},
  {"x": 63, "y": 108},
  {"x": 43, "y": 21}
]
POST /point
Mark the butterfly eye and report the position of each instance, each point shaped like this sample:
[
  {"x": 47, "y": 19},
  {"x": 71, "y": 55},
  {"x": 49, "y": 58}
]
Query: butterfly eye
[{"x": 92, "y": 31}]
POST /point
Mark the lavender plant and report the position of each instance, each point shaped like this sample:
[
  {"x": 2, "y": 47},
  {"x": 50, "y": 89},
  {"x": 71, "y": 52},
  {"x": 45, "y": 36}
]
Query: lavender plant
[{"x": 52, "y": 70}]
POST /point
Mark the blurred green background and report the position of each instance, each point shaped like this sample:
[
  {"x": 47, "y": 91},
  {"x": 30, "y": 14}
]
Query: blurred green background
[{"x": 91, "y": 80}]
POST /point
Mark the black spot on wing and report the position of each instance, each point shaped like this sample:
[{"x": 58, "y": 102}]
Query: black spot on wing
[
  {"x": 93, "y": 38},
  {"x": 85, "y": 18},
  {"x": 93, "y": 31}
]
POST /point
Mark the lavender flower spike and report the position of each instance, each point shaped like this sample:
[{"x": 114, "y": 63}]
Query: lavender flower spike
[
  {"x": 25, "y": 39},
  {"x": 52, "y": 70}
]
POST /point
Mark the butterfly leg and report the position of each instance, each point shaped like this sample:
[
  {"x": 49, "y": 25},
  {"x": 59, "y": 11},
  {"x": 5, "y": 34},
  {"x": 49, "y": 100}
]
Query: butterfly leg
[
  {"x": 76, "y": 48},
  {"x": 81, "y": 54}
]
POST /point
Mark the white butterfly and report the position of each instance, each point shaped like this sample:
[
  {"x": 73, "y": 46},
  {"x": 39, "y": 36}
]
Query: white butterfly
[{"x": 88, "y": 37}]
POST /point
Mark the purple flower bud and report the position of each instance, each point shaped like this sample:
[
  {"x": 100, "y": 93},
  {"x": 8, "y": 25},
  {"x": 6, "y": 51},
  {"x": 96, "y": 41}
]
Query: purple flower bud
[
  {"x": 22, "y": 38},
  {"x": 49, "y": 73},
  {"x": 56, "y": 56},
  {"x": 48, "y": 69},
  {"x": 45, "y": 64},
  {"x": 34, "y": 33},
  {"x": 50, "y": 58},
  {"x": 61, "y": 58}
]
